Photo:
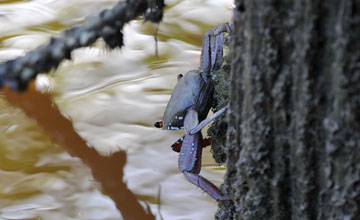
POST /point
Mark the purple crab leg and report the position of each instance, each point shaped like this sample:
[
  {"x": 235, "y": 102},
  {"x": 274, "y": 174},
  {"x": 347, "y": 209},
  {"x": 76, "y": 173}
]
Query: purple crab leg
[
  {"x": 205, "y": 122},
  {"x": 212, "y": 49},
  {"x": 205, "y": 185},
  {"x": 190, "y": 165},
  {"x": 177, "y": 145}
]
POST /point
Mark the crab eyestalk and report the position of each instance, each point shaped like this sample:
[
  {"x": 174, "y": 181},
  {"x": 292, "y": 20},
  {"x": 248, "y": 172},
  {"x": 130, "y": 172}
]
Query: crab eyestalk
[{"x": 180, "y": 76}]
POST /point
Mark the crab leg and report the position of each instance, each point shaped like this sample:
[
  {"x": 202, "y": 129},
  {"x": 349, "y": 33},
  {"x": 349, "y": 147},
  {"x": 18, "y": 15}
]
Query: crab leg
[
  {"x": 177, "y": 145},
  {"x": 212, "y": 48},
  {"x": 208, "y": 120},
  {"x": 190, "y": 165},
  {"x": 205, "y": 185}
]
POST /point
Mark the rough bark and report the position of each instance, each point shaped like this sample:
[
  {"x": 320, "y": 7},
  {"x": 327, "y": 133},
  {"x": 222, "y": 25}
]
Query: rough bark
[{"x": 293, "y": 148}]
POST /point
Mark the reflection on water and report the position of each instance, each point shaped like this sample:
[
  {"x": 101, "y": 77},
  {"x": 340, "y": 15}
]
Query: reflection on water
[
  {"x": 39, "y": 107},
  {"x": 129, "y": 171}
]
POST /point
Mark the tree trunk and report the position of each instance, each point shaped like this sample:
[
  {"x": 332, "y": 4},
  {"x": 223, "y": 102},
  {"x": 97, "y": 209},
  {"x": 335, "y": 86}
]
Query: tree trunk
[{"x": 293, "y": 148}]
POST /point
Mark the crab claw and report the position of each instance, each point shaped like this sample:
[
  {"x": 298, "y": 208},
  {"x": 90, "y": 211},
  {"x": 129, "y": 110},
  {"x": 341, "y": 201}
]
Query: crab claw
[{"x": 158, "y": 124}]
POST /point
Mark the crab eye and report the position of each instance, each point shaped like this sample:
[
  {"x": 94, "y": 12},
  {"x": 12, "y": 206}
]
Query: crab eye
[{"x": 179, "y": 76}]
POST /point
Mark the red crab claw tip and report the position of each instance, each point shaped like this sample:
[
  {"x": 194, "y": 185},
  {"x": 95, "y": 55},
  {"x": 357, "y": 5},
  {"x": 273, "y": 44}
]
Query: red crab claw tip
[{"x": 158, "y": 124}]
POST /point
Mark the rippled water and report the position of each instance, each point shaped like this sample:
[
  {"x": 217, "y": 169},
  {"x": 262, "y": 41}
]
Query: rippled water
[{"x": 108, "y": 161}]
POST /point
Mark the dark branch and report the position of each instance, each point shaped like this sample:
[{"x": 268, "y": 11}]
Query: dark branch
[{"x": 108, "y": 25}]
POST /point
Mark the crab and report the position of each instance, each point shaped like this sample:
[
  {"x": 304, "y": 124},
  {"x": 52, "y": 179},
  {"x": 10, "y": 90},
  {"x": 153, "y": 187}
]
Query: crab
[{"x": 188, "y": 108}]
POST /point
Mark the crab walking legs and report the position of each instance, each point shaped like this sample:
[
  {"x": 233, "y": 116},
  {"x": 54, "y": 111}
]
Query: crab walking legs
[{"x": 191, "y": 151}]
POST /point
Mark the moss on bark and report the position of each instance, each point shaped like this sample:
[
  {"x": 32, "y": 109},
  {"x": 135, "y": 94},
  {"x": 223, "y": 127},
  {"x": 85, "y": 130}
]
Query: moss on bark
[{"x": 218, "y": 130}]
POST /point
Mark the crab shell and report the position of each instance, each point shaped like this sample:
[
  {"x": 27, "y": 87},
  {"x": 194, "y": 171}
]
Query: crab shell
[{"x": 190, "y": 91}]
